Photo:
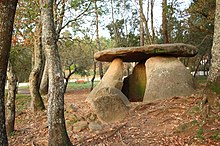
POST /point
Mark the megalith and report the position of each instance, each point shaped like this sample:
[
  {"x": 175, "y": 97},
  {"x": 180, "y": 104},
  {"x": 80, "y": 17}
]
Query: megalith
[
  {"x": 110, "y": 104},
  {"x": 112, "y": 78},
  {"x": 158, "y": 75},
  {"x": 167, "y": 77},
  {"x": 107, "y": 100}
]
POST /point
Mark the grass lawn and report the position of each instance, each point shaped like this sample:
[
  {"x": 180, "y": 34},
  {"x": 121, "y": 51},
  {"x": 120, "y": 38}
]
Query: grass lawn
[{"x": 80, "y": 85}]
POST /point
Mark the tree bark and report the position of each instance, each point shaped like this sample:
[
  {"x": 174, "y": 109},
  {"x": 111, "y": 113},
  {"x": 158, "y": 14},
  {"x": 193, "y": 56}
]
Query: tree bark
[
  {"x": 44, "y": 80},
  {"x": 164, "y": 22},
  {"x": 145, "y": 20},
  {"x": 141, "y": 24},
  {"x": 10, "y": 104},
  {"x": 37, "y": 103},
  {"x": 56, "y": 122},
  {"x": 7, "y": 11},
  {"x": 214, "y": 75}
]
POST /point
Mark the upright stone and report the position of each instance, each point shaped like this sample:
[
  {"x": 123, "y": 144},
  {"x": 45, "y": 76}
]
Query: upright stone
[
  {"x": 112, "y": 78},
  {"x": 136, "y": 83},
  {"x": 167, "y": 77},
  {"x": 110, "y": 105},
  {"x": 107, "y": 100}
]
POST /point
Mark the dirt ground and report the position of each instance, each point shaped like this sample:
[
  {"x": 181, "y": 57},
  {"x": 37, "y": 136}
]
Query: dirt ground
[{"x": 178, "y": 121}]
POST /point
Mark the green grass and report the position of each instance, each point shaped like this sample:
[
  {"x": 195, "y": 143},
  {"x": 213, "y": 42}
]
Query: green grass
[
  {"x": 200, "y": 133},
  {"x": 215, "y": 87},
  {"x": 216, "y": 136},
  {"x": 80, "y": 86},
  {"x": 201, "y": 79}
]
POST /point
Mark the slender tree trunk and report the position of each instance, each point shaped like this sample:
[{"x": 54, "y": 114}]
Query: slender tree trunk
[
  {"x": 164, "y": 21},
  {"x": 37, "y": 103},
  {"x": 145, "y": 21},
  {"x": 97, "y": 38},
  {"x": 7, "y": 11},
  {"x": 94, "y": 74},
  {"x": 66, "y": 78},
  {"x": 116, "y": 34},
  {"x": 56, "y": 122},
  {"x": 10, "y": 104},
  {"x": 152, "y": 19},
  {"x": 125, "y": 22},
  {"x": 214, "y": 75},
  {"x": 141, "y": 24}
]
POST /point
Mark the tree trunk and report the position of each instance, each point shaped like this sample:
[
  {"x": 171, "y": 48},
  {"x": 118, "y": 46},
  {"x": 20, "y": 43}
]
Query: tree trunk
[
  {"x": 141, "y": 24},
  {"x": 125, "y": 22},
  {"x": 116, "y": 33},
  {"x": 56, "y": 122},
  {"x": 10, "y": 103},
  {"x": 44, "y": 80},
  {"x": 66, "y": 78},
  {"x": 214, "y": 75},
  {"x": 97, "y": 38},
  {"x": 152, "y": 19},
  {"x": 37, "y": 103},
  {"x": 145, "y": 21},
  {"x": 94, "y": 74},
  {"x": 164, "y": 22},
  {"x": 7, "y": 11}
]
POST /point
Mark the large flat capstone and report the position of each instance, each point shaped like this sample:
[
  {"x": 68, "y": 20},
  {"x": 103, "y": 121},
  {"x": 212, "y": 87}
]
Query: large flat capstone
[{"x": 137, "y": 54}]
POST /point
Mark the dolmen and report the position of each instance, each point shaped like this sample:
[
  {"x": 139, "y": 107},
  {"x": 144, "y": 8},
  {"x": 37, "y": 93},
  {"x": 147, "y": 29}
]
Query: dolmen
[{"x": 158, "y": 74}]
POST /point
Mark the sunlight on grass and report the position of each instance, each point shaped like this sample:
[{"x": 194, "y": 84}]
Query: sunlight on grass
[{"x": 80, "y": 86}]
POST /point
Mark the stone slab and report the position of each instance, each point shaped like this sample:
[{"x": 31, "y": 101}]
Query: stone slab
[{"x": 137, "y": 54}]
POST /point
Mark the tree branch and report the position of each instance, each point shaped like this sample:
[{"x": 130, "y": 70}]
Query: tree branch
[{"x": 70, "y": 21}]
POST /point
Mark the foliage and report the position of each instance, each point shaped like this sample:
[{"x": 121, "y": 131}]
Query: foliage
[
  {"x": 21, "y": 59},
  {"x": 76, "y": 52},
  {"x": 201, "y": 23}
]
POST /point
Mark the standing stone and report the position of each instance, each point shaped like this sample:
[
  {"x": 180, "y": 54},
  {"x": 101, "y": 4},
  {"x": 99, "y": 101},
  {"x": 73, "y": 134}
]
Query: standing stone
[
  {"x": 167, "y": 77},
  {"x": 112, "y": 78},
  {"x": 110, "y": 105},
  {"x": 134, "y": 85}
]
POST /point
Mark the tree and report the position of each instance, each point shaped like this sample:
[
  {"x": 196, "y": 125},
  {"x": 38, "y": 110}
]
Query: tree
[
  {"x": 214, "y": 76},
  {"x": 10, "y": 103},
  {"x": 141, "y": 23},
  {"x": 56, "y": 121},
  {"x": 7, "y": 11},
  {"x": 37, "y": 103},
  {"x": 97, "y": 36},
  {"x": 76, "y": 55},
  {"x": 164, "y": 21},
  {"x": 152, "y": 19},
  {"x": 200, "y": 27},
  {"x": 61, "y": 21}
]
